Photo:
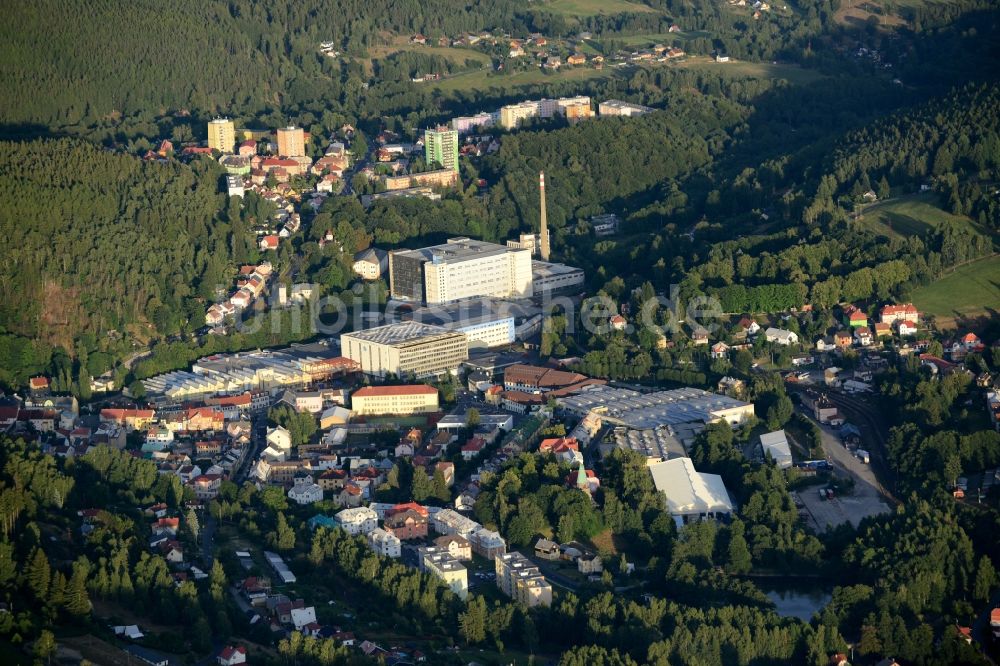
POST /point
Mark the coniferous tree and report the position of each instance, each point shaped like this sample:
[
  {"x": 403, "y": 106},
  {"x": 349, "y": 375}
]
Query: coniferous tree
[{"x": 39, "y": 575}]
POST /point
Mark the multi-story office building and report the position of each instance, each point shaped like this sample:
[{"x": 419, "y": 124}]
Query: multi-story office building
[
  {"x": 406, "y": 349},
  {"x": 521, "y": 580},
  {"x": 408, "y": 399},
  {"x": 291, "y": 142},
  {"x": 615, "y": 107},
  {"x": 441, "y": 147},
  {"x": 460, "y": 268},
  {"x": 222, "y": 135}
]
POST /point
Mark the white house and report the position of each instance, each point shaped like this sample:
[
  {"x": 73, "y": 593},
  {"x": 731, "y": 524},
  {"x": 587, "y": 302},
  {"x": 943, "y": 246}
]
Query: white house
[
  {"x": 279, "y": 438},
  {"x": 781, "y": 336},
  {"x": 303, "y": 616},
  {"x": 384, "y": 543},
  {"x": 359, "y": 520},
  {"x": 719, "y": 350},
  {"x": 231, "y": 656},
  {"x": 907, "y": 327},
  {"x": 305, "y": 491}
]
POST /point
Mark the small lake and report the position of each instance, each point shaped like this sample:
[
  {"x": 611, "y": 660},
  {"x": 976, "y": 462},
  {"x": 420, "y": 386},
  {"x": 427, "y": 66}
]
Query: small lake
[{"x": 800, "y": 603}]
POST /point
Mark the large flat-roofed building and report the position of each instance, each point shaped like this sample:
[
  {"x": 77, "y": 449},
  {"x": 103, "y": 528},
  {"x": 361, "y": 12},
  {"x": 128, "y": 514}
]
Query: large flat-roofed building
[
  {"x": 406, "y": 349},
  {"x": 230, "y": 374},
  {"x": 690, "y": 495},
  {"x": 436, "y": 178},
  {"x": 521, "y": 580},
  {"x": 676, "y": 408},
  {"x": 407, "y": 399},
  {"x": 222, "y": 135},
  {"x": 615, "y": 107},
  {"x": 551, "y": 277},
  {"x": 655, "y": 443},
  {"x": 486, "y": 322},
  {"x": 458, "y": 269}
]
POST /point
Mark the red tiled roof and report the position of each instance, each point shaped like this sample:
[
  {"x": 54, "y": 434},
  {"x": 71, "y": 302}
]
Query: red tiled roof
[{"x": 409, "y": 506}]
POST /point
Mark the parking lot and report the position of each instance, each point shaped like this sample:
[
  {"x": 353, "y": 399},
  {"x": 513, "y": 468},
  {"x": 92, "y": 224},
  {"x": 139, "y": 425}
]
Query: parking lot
[{"x": 865, "y": 500}]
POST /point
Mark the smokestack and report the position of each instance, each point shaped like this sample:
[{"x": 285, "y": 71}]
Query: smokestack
[{"x": 544, "y": 230}]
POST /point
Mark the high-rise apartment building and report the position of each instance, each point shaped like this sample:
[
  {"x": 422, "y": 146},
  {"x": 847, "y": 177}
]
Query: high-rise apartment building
[
  {"x": 222, "y": 135},
  {"x": 460, "y": 268},
  {"x": 291, "y": 142},
  {"x": 441, "y": 146}
]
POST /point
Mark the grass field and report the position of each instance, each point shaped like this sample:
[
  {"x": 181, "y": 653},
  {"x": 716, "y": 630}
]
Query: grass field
[
  {"x": 592, "y": 7},
  {"x": 482, "y": 80},
  {"x": 971, "y": 291},
  {"x": 761, "y": 70},
  {"x": 914, "y": 214}
]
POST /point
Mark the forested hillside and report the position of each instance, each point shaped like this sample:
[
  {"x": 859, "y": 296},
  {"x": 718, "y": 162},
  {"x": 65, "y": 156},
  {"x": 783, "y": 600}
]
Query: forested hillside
[{"x": 97, "y": 240}]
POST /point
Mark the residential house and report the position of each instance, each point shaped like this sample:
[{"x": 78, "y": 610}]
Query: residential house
[
  {"x": 719, "y": 350},
  {"x": 618, "y": 322},
  {"x": 843, "y": 339},
  {"x": 473, "y": 448},
  {"x": 699, "y": 336},
  {"x": 589, "y": 564},
  {"x": 350, "y": 495},
  {"x": 890, "y": 314},
  {"x": 863, "y": 335},
  {"x": 359, "y": 520},
  {"x": 882, "y": 330},
  {"x": 305, "y": 491},
  {"x": 781, "y": 336},
  {"x": 231, "y": 656},
  {"x": 206, "y": 486},
  {"x": 547, "y": 549},
  {"x": 907, "y": 327},
  {"x": 457, "y": 546},
  {"x": 855, "y": 317},
  {"x": 407, "y": 524},
  {"x": 384, "y": 543}
]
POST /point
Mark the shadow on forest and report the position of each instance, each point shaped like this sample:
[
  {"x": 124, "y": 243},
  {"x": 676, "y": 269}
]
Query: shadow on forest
[{"x": 27, "y": 132}]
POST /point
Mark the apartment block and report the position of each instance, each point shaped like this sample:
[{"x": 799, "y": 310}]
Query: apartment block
[
  {"x": 441, "y": 147},
  {"x": 521, "y": 580},
  {"x": 222, "y": 135},
  {"x": 440, "y": 563},
  {"x": 291, "y": 142}
]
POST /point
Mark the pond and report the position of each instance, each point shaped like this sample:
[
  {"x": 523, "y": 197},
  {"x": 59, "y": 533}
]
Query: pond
[{"x": 800, "y": 602}]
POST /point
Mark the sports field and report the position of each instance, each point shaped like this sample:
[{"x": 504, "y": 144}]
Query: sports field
[{"x": 970, "y": 291}]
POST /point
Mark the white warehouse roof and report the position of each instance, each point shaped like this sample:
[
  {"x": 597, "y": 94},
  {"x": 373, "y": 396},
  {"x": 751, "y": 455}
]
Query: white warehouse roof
[{"x": 689, "y": 492}]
